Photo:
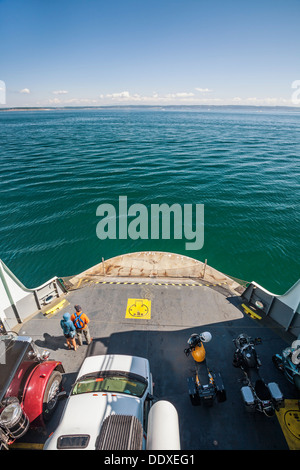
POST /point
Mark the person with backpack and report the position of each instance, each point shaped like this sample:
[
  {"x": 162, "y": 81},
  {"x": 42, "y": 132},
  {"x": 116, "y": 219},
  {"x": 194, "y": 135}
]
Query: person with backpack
[
  {"x": 80, "y": 321},
  {"x": 69, "y": 330}
]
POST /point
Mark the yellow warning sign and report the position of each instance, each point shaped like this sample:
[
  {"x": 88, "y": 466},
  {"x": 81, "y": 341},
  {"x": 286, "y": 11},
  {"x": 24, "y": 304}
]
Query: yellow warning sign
[
  {"x": 138, "y": 308},
  {"x": 289, "y": 419}
]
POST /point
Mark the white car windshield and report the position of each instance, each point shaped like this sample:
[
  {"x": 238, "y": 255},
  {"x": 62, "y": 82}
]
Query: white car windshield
[{"x": 111, "y": 382}]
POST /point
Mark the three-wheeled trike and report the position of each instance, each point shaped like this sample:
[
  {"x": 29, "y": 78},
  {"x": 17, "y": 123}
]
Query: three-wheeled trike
[
  {"x": 30, "y": 385},
  {"x": 205, "y": 384}
]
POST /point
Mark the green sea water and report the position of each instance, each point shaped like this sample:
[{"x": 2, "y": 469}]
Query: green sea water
[{"x": 58, "y": 166}]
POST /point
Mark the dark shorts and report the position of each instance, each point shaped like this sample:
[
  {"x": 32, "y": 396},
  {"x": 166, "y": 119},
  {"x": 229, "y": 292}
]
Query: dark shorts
[{"x": 69, "y": 336}]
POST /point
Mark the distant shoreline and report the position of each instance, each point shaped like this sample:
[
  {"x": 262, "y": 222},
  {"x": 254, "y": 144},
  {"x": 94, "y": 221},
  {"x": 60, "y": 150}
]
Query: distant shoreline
[{"x": 153, "y": 107}]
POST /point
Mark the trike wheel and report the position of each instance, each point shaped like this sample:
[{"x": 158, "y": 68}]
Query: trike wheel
[
  {"x": 221, "y": 396},
  {"x": 50, "y": 399},
  {"x": 277, "y": 363},
  {"x": 195, "y": 400}
]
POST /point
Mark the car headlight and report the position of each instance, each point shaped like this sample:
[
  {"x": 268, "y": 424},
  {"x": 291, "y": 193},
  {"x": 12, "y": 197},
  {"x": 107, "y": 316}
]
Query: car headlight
[{"x": 11, "y": 415}]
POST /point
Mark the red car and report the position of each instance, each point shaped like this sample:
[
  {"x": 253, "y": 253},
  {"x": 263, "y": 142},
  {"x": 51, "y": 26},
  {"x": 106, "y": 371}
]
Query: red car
[{"x": 30, "y": 386}]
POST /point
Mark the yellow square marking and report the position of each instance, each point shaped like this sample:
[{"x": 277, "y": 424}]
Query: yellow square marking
[
  {"x": 138, "y": 308},
  {"x": 289, "y": 420}
]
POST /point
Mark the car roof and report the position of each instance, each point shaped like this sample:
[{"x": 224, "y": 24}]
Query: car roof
[{"x": 115, "y": 362}]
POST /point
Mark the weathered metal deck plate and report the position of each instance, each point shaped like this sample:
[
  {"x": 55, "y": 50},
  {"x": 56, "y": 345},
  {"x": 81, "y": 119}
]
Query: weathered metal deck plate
[{"x": 176, "y": 312}]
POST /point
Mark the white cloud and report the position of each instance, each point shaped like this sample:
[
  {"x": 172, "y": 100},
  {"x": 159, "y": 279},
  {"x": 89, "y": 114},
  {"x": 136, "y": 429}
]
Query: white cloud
[
  {"x": 269, "y": 101},
  {"x": 126, "y": 96},
  {"x": 179, "y": 95},
  {"x": 60, "y": 92},
  {"x": 204, "y": 90},
  {"x": 78, "y": 101},
  {"x": 159, "y": 99},
  {"x": 54, "y": 101},
  {"x": 155, "y": 97},
  {"x": 81, "y": 101},
  {"x": 123, "y": 94},
  {"x": 25, "y": 91}
]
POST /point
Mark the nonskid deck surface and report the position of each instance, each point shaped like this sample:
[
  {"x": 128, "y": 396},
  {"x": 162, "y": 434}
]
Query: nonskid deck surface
[{"x": 153, "y": 320}]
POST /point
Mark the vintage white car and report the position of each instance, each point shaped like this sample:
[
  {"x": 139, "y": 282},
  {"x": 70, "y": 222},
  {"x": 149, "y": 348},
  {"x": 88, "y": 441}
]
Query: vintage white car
[{"x": 109, "y": 409}]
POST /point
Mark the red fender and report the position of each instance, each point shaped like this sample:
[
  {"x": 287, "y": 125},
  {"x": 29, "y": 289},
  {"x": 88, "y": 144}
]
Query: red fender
[{"x": 35, "y": 388}]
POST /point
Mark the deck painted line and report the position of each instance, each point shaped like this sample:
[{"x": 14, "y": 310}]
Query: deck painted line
[
  {"x": 178, "y": 284},
  {"x": 52, "y": 311},
  {"x": 251, "y": 313}
]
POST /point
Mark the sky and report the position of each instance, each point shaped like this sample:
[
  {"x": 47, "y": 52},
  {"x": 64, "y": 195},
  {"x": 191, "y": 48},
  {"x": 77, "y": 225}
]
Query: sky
[{"x": 149, "y": 52}]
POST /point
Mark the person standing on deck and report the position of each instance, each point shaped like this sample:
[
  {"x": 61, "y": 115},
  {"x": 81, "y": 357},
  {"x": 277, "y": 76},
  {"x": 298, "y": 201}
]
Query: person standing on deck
[
  {"x": 81, "y": 321},
  {"x": 69, "y": 331}
]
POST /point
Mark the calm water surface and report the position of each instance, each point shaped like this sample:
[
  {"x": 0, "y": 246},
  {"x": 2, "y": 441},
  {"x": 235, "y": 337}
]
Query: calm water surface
[{"x": 57, "y": 166}]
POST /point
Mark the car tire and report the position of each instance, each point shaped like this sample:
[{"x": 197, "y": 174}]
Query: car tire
[{"x": 50, "y": 399}]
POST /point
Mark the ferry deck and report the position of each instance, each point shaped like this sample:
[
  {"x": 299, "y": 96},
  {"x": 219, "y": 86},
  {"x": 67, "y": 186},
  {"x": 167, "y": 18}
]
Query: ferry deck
[{"x": 176, "y": 308}]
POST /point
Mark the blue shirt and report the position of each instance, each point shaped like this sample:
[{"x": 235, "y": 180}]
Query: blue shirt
[{"x": 67, "y": 326}]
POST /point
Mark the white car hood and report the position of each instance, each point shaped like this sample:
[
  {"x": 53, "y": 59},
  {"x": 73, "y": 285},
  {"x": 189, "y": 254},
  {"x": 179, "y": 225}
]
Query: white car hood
[{"x": 84, "y": 414}]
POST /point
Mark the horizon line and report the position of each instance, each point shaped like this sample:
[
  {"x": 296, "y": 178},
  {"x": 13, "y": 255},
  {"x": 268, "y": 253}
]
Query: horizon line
[{"x": 11, "y": 108}]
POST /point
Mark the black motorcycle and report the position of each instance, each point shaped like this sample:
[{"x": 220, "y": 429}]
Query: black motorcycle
[{"x": 257, "y": 395}]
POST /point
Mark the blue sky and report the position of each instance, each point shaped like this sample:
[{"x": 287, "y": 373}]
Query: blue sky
[{"x": 96, "y": 52}]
